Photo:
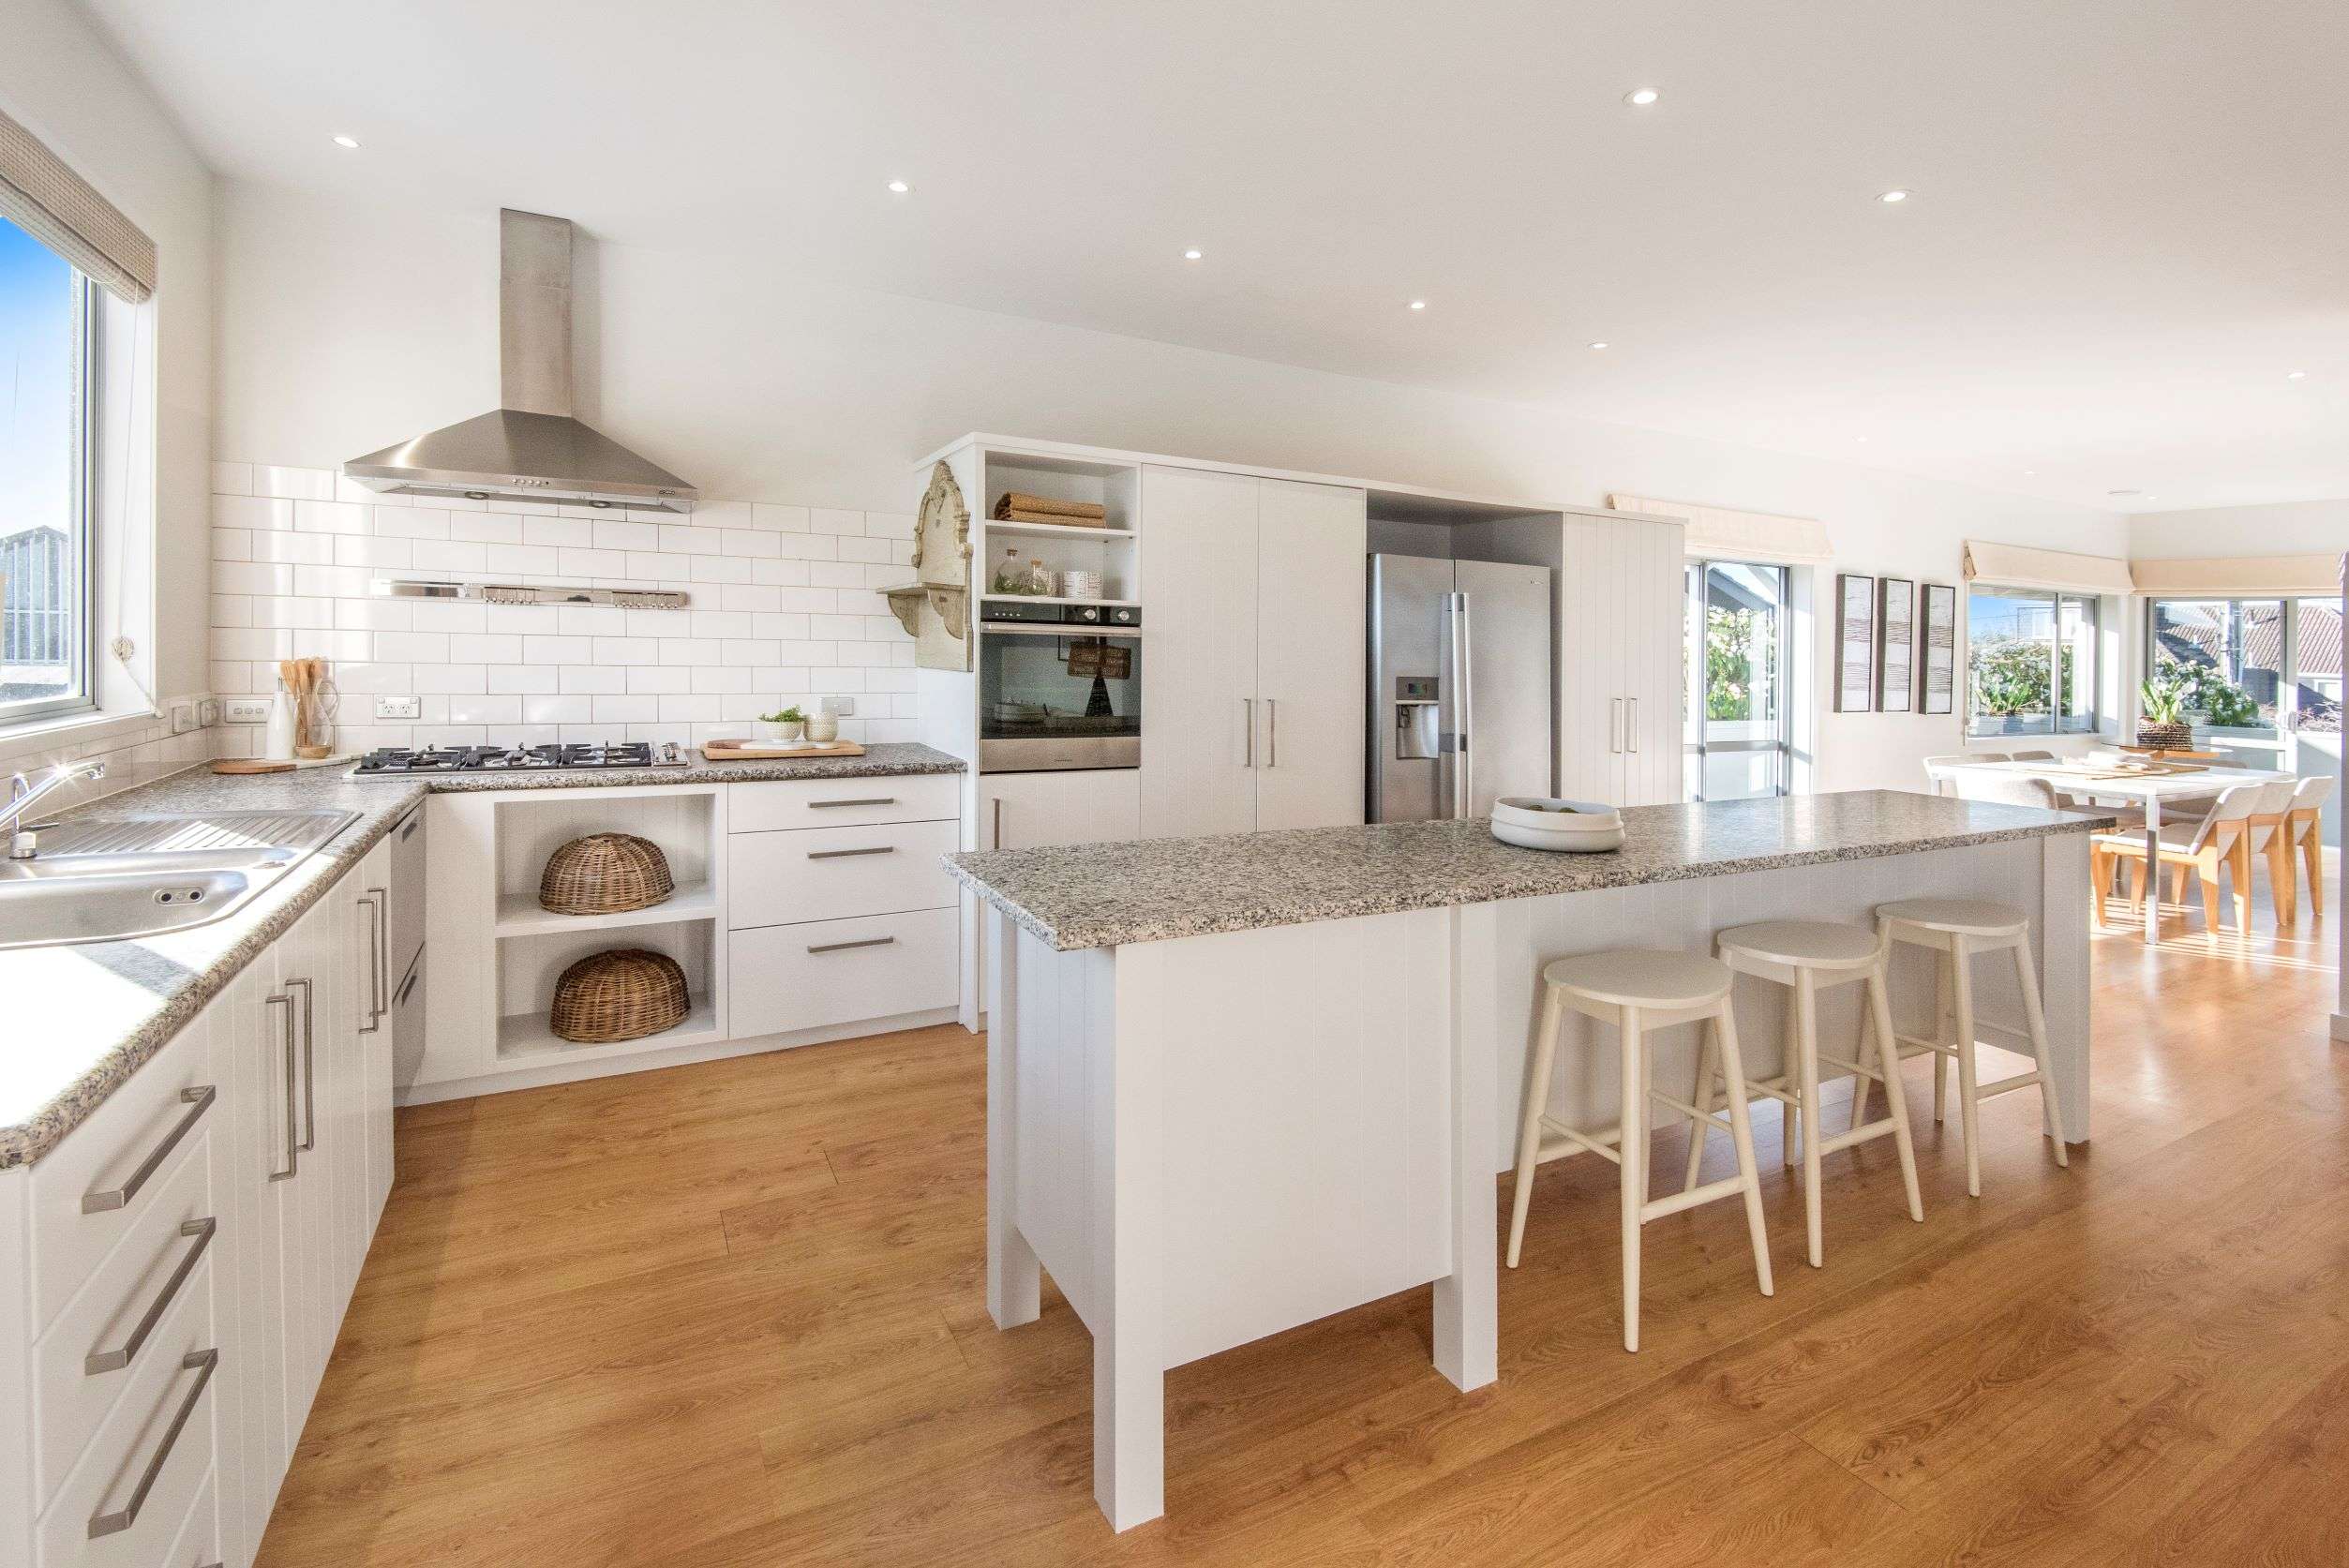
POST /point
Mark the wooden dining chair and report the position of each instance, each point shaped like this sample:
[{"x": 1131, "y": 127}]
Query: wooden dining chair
[
  {"x": 2308, "y": 833},
  {"x": 2197, "y": 849}
]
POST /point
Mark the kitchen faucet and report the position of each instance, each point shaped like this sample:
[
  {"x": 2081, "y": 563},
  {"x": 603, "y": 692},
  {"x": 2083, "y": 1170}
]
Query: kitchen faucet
[{"x": 22, "y": 793}]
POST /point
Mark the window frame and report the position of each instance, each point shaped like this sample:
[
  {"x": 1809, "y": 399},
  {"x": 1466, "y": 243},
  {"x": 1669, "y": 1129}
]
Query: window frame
[
  {"x": 2086, "y": 683},
  {"x": 81, "y": 518},
  {"x": 1696, "y": 570},
  {"x": 2288, "y": 709}
]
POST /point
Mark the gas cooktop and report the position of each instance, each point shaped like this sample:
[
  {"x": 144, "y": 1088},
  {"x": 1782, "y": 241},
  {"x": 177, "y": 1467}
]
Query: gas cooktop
[{"x": 520, "y": 759}]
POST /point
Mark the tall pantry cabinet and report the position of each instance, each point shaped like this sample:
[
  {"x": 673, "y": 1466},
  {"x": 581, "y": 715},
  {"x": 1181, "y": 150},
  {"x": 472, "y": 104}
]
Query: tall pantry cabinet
[
  {"x": 1622, "y": 632},
  {"x": 1252, "y": 673}
]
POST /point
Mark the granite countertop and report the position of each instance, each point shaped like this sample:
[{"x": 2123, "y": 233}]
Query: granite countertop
[
  {"x": 83, "y": 1017},
  {"x": 1101, "y": 895}
]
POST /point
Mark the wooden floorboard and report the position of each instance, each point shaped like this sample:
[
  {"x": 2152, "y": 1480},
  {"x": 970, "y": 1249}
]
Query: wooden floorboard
[{"x": 734, "y": 1314}]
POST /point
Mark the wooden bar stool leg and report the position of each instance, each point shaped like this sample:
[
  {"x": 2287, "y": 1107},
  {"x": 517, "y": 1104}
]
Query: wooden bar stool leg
[
  {"x": 1633, "y": 1149},
  {"x": 1789, "y": 1116},
  {"x": 1944, "y": 1029},
  {"x": 1529, "y": 1133},
  {"x": 1968, "y": 1107},
  {"x": 1742, "y": 1135},
  {"x": 1895, "y": 1096},
  {"x": 1708, "y": 1060},
  {"x": 2027, "y": 977},
  {"x": 1806, "y": 1036}
]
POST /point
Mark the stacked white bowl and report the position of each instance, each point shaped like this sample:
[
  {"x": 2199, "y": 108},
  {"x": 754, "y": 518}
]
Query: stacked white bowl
[{"x": 1568, "y": 826}]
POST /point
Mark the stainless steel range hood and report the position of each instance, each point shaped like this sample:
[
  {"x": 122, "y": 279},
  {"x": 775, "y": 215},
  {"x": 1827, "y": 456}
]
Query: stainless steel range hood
[{"x": 531, "y": 447}]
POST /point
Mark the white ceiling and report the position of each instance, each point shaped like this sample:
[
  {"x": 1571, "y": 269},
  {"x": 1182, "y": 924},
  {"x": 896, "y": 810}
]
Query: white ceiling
[{"x": 2131, "y": 219}]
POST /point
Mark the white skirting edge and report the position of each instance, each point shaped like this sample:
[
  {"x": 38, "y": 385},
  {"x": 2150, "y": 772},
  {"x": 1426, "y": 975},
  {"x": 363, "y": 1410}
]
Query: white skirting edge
[
  {"x": 559, "y": 1071},
  {"x": 2340, "y": 1025}
]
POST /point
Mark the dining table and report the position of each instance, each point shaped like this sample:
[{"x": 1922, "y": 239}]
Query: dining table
[{"x": 2148, "y": 788}]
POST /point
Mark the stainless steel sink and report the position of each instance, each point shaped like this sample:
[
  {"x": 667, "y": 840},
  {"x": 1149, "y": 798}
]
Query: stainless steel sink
[{"x": 110, "y": 879}]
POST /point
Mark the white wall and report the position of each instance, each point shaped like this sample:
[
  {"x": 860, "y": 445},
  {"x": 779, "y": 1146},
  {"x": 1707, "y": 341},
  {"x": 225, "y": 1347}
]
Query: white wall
[
  {"x": 343, "y": 329},
  {"x": 2287, "y": 528},
  {"x": 60, "y": 79}
]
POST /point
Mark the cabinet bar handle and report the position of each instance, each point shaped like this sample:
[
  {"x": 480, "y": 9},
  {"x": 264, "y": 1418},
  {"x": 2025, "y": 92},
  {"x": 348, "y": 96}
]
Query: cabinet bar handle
[
  {"x": 843, "y": 947},
  {"x": 1615, "y": 724},
  {"x": 294, "y": 1157},
  {"x": 1631, "y": 725},
  {"x": 843, "y": 854},
  {"x": 999, "y": 838},
  {"x": 197, "y": 1096},
  {"x": 202, "y": 1364},
  {"x": 381, "y": 994},
  {"x": 310, "y": 1068},
  {"x": 405, "y": 987},
  {"x": 1272, "y": 732},
  {"x": 407, "y": 828},
  {"x": 114, "y": 1361},
  {"x": 374, "y": 995},
  {"x": 827, "y": 805},
  {"x": 1248, "y": 718}
]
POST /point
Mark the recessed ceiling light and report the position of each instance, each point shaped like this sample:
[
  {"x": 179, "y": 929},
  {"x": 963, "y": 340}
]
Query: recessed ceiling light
[
  {"x": 346, "y": 142},
  {"x": 1862, "y": 439},
  {"x": 1893, "y": 198},
  {"x": 2294, "y": 375},
  {"x": 898, "y": 187},
  {"x": 2120, "y": 494},
  {"x": 1419, "y": 305},
  {"x": 1192, "y": 254},
  {"x": 1599, "y": 345},
  {"x": 1639, "y": 98},
  {"x": 2028, "y": 472}
]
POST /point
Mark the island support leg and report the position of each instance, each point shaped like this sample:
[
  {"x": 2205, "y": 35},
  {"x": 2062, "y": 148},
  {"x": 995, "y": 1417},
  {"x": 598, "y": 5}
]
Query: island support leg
[
  {"x": 1015, "y": 1279},
  {"x": 1129, "y": 1107},
  {"x": 1467, "y": 1309}
]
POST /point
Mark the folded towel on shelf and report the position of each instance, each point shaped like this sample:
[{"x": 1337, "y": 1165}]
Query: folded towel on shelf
[{"x": 1011, "y": 505}]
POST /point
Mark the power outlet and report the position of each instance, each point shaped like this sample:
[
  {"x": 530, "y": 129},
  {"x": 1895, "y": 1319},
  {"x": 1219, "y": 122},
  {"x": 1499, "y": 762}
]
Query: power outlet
[
  {"x": 840, "y": 707},
  {"x": 183, "y": 718},
  {"x": 248, "y": 710},
  {"x": 399, "y": 708},
  {"x": 209, "y": 712}
]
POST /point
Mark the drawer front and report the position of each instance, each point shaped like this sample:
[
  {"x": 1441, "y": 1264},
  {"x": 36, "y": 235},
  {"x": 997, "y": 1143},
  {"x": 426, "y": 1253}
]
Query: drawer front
[
  {"x": 89, "y": 1354},
  {"x": 79, "y": 1208},
  {"x": 158, "y": 1435},
  {"x": 199, "y": 1543},
  {"x": 830, "y": 873},
  {"x": 757, "y": 808},
  {"x": 785, "y": 979}
]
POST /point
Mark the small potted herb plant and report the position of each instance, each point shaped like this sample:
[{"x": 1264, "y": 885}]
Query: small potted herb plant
[
  {"x": 784, "y": 725},
  {"x": 2162, "y": 715}
]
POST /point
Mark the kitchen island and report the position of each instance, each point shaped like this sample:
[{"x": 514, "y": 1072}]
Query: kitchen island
[{"x": 1237, "y": 1083}]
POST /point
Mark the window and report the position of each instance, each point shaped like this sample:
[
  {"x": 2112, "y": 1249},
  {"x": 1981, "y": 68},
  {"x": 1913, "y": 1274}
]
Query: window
[
  {"x": 1737, "y": 724},
  {"x": 2030, "y": 662},
  {"x": 47, "y": 319},
  {"x": 2249, "y": 667}
]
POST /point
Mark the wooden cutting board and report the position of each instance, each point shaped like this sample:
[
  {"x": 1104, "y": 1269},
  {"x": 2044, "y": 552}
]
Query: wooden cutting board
[{"x": 769, "y": 750}]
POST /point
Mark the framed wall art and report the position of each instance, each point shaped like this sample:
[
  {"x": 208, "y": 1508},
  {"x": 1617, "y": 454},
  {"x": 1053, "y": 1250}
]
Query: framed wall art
[
  {"x": 1895, "y": 645},
  {"x": 1937, "y": 670},
  {"x": 1855, "y": 644}
]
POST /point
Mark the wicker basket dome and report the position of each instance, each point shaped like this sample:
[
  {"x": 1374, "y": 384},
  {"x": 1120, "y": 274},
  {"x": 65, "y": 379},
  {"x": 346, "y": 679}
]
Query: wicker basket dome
[
  {"x": 605, "y": 874},
  {"x": 623, "y": 995}
]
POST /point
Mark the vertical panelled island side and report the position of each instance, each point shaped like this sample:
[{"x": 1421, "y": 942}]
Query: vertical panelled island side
[{"x": 1237, "y": 1083}]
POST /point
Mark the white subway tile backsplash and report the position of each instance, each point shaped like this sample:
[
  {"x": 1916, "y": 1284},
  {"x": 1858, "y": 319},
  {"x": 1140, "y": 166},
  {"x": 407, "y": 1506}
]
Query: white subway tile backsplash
[
  {"x": 292, "y": 484},
  {"x": 781, "y": 612},
  {"x": 331, "y": 517}
]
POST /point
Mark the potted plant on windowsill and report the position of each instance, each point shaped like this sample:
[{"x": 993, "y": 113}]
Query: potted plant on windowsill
[
  {"x": 2162, "y": 715},
  {"x": 784, "y": 725}
]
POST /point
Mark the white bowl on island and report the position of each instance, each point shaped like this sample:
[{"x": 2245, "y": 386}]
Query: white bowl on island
[{"x": 1560, "y": 827}]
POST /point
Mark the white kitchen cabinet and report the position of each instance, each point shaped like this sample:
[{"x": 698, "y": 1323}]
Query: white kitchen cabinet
[
  {"x": 1621, "y": 623},
  {"x": 1252, "y": 694},
  {"x": 1022, "y": 811}
]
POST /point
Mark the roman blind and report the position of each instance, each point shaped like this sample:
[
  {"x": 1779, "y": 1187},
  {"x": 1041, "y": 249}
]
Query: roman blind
[
  {"x": 2022, "y": 566},
  {"x": 61, "y": 209},
  {"x": 2241, "y": 577},
  {"x": 1722, "y": 532}
]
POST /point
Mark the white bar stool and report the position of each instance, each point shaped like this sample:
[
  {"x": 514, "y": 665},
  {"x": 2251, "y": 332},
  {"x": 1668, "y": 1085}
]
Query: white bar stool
[
  {"x": 1956, "y": 930},
  {"x": 1805, "y": 957},
  {"x": 1637, "y": 991}
]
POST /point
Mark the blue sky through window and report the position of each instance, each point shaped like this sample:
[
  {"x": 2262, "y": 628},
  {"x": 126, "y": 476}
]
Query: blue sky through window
[{"x": 36, "y": 383}]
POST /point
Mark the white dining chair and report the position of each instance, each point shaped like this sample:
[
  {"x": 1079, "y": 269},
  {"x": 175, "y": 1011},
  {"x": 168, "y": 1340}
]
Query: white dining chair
[
  {"x": 2221, "y": 839},
  {"x": 2308, "y": 833},
  {"x": 2269, "y": 828},
  {"x": 1937, "y": 773}
]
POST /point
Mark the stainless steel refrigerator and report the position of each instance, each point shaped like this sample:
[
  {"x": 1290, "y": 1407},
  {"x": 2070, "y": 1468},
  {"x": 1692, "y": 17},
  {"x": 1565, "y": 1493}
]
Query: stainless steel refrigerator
[{"x": 1460, "y": 698}]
